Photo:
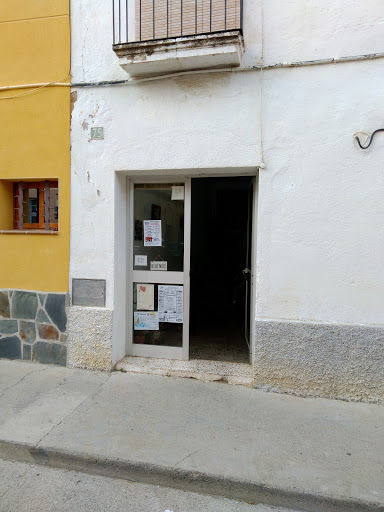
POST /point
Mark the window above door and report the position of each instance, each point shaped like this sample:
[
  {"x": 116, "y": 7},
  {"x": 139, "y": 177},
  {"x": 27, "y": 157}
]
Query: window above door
[{"x": 153, "y": 37}]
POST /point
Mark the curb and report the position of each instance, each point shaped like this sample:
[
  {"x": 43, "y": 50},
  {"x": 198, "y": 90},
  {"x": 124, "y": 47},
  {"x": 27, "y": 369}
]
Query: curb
[{"x": 198, "y": 482}]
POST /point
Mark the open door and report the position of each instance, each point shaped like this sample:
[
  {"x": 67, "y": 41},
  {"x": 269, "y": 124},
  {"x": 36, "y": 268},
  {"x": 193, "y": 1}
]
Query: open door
[
  {"x": 159, "y": 262},
  {"x": 247, "y": 271},
  {"x": 221, "y": 247}
]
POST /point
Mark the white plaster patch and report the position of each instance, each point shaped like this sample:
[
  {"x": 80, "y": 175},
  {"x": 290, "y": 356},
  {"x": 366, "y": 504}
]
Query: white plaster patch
[{"x": 90, "y": 338}]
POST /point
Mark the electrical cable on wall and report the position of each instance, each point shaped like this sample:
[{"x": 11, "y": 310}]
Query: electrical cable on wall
[
  {"x": 41, "y": 86},
  {"x": 370, "y": 140}
]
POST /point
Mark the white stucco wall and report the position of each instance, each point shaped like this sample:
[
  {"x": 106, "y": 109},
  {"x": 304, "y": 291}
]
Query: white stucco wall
[
  {"x": 176, "y": 124},
  {"x": 297, "y": 30},
  {"x": 320, "y": 225},
  {"x": 321, "y": 213}
]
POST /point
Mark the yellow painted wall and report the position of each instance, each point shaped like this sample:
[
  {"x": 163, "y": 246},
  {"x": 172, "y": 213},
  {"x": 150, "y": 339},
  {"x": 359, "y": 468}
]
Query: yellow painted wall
[
  {"x": 34, "y": 135},
  {"x": 6, "y": 205}
]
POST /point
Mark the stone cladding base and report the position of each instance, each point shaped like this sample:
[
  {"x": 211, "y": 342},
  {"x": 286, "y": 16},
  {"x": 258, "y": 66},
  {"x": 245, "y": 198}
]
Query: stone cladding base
[{"x": 33, "y": 326}]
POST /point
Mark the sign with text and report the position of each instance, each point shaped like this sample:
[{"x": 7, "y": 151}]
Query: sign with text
[
  {"x": 152, "y": 233},
  {"x": 158, "y": 265},
  {"x": 97, "y": 133}
]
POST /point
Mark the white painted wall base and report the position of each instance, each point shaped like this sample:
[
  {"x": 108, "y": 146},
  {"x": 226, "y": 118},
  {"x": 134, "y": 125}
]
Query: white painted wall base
[
  {"x": 90, "y": 338},
  {"x": 320, "y": 360}
]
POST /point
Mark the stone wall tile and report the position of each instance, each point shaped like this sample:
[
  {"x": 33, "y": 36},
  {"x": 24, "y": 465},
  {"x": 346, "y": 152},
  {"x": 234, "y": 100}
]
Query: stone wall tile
[
  {"x": 10, "y": 347},
  {"x": 24, "y": 305},
  {"x": 27, "y": 331},
  {"x": 24, "y": 319},
  {"x": 5, "y": 310},
  {"x": 55, "y": 307},
  {"x": 27, "y": 352},
  {"x": 42, "y": 317},
  {"x": 8, "y": 326},
  {"x": 47, "y": 332},
  {"x": 49, "y": 353}
]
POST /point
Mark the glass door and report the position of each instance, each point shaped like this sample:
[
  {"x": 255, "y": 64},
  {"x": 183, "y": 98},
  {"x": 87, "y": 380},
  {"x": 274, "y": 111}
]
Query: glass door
[{"x": 159, "y": 262}]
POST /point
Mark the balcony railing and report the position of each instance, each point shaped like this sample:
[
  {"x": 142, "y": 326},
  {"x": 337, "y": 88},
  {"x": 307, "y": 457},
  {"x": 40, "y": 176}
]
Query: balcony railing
[{"x": 149, "y": 20}]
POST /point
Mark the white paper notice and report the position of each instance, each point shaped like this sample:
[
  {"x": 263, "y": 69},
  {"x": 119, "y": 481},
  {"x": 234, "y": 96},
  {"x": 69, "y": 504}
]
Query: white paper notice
[
  {"x": 170, "y": 301},
  {"x": 146, "y": 320},
  {"x": 140, "y": 260},
  {"x": 145, "y": 297},
  {"x": 159, "y": 265},
  {"x": 177, "y": 193},
  {"x": 152, "y": 233}
]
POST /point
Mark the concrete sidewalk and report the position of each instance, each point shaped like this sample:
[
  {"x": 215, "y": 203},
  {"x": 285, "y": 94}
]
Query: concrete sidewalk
[{"x": 309, "y": 454}]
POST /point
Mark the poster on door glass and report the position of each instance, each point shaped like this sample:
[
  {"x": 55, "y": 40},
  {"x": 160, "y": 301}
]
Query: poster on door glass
[
  {"x": 145, "y": 294},
  {"x": 152, "y": 233},
  {"x": 170, "y": 304},
  {"x": 145, "y": 321}
]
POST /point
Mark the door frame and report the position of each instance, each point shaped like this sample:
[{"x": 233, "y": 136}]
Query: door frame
[
  {"x": 252, "y": 313},
  {"x": 159, "y": 277},
  {"x": 185, "y": 175}
]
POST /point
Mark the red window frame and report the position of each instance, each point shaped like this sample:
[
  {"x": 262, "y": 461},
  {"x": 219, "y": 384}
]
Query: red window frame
[{"x": 19, "y": 188}]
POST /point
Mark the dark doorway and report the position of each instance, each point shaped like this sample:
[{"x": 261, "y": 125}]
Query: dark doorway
[{"x": 220, "y": 250}]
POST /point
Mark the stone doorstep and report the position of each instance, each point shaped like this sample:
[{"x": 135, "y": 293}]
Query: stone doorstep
[{"x": 240, "y": 374}]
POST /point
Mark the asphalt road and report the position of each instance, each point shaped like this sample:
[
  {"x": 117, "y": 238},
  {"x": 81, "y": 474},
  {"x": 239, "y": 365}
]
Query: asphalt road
[{"x": 33, "y": 488}]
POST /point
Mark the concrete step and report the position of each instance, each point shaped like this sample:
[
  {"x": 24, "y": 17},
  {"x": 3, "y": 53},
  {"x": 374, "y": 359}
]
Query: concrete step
[{"x": 199, "y": 369}]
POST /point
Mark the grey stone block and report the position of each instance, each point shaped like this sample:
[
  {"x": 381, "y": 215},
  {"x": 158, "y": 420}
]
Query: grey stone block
[
  {"x": 4, "y": 305},
  {"x": 27, "y": 352},
  {"x": 24, "y": 305},
  {"x": 49, "y": 353},
  {"x": 8, "y": 326},
  {"x": 55, "y": 307},
  {"x": 10, "y": 347},
  {"x": 88, "y": 292},
  {"x": 27, "y": 331},
  {"x": 42, "y": 317}
]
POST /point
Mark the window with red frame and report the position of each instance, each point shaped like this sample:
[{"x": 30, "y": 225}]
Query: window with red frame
[{"x": 36, "y": 205}]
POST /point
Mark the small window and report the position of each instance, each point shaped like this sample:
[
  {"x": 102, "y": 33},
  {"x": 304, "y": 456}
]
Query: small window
[{"x": 36, "y": 205}]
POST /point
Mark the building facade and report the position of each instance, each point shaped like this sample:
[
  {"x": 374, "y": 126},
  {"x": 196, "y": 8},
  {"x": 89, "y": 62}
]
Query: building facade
[
  {"x": 221, "y": 206},
  {"x": 227, "y": 173},
  {"x": 34, "y": 179}
]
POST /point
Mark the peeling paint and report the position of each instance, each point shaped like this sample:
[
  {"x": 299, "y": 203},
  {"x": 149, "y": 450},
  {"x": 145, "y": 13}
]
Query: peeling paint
[{"x": 73, "y": 100}]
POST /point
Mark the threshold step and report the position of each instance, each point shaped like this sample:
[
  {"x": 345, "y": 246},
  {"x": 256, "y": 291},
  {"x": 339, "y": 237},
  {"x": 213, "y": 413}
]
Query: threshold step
[{"x": 200, "y": 369}]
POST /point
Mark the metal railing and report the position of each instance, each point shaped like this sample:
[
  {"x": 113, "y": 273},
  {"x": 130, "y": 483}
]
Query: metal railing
[{"x": 148, "y": 20}]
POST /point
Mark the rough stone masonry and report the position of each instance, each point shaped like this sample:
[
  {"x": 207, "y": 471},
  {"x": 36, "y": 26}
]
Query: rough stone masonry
[{"x": 33, "y": 326}]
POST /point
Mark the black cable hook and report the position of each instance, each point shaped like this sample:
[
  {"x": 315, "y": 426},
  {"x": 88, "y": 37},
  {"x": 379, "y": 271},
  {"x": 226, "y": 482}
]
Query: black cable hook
[{"x": 370, "y": 140}]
